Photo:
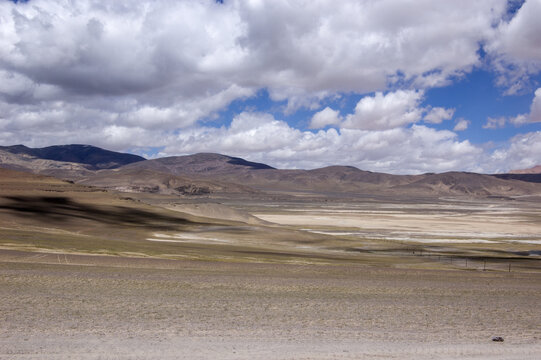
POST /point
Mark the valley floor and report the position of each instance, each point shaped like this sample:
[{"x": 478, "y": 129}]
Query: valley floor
[{"x": 89, "y": 274}]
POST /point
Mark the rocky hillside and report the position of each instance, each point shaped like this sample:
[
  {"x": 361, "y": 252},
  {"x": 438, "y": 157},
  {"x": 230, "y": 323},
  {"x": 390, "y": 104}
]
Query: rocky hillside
[
  {"x": 29, "y": 163},
  {"x": 151, "y": 181}
]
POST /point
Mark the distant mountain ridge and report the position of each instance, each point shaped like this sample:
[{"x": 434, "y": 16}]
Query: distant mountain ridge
[
  {"x": 330, "y": 180},
  {"x": 94, "y": 157},
  {"x": 533, "y": 170},
  {"x": 532, "y": 174},
  {"x": 212, "y": 174}
]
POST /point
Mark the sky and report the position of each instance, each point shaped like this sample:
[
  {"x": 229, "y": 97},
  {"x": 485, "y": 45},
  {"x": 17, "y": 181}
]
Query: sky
[{"x": 396, "y": 86}]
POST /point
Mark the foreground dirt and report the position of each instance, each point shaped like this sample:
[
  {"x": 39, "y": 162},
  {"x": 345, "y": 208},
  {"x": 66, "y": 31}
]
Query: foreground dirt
[{"x": 102, "y": 307}]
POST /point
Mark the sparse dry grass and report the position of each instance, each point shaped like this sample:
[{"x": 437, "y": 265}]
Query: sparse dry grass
[{"x": 171, "y": 309}]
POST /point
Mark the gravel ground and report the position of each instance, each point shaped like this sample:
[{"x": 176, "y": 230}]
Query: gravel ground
[{"x": 94, "y": 307}]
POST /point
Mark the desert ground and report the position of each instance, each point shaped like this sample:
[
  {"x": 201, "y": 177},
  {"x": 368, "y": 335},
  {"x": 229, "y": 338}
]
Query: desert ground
[
  {"x": 95, "y": 307},
  {"x": 88, "y": 274}
]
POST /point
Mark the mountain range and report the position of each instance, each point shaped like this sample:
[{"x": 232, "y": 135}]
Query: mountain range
[{"x": 215, "y": 174}]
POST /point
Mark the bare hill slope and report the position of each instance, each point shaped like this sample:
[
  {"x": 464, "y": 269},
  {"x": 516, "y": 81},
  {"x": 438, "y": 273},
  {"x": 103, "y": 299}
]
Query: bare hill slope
[
  {"x": 463, "y": 183},
  {"x": 133, "y": 179},
  {"x": 199, "y": 164},
  {"x": 29, "y": 163}
]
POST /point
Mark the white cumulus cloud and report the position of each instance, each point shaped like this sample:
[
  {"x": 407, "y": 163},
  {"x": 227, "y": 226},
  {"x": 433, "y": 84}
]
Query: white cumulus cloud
[
  {"x": 133, "y": 74},
  {"x": 380, "y": 112},
  {"x": 461, "y": 124},
  {"x": 535, "y": 109},
  {"x": 261, "y": 137},
  {"x": 495, "y": 122},
  {"x": 516, "y": 47},
  {"x": 161, "y": 54},
  {"x": 438, "y": 114},
  {"x": 325, "y": 117},
  {"x": 533, "y": 116},
  {"x": 523, "y": 151}
]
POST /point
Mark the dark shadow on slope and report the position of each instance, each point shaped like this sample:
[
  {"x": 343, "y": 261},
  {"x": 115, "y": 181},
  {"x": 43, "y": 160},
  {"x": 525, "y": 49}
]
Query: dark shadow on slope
[
  {"x": 63, "y": 209},
  {"x": 534, "y": 178},
  {"x": 253, "y": 165}
]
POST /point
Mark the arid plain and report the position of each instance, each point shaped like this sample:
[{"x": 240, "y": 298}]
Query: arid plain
[{"x": 93, "y": 274}]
